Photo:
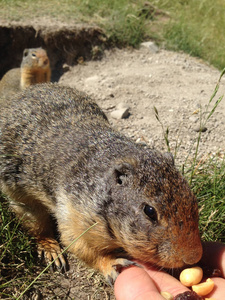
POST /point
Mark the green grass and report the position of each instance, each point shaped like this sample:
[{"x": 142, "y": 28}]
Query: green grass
[
  {"x": 196, "y": 27},
  {"x": 207, "y": 179},
  {"x": 206, "y": 175},
  {"x": 209, "y": 186},
  {"x": 120, "y": 18},
  {"x": 17, "y": 253}
]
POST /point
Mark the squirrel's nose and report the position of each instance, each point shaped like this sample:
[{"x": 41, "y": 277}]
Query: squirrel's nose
[{"x": 193, "y": 256}]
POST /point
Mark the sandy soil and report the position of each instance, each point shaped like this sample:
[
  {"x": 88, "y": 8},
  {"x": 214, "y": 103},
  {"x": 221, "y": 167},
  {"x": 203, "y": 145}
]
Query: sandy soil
[{"x": 178, "y": 85}]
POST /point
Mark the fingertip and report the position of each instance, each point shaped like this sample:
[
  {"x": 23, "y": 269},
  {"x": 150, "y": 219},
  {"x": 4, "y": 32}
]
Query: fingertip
[{"x": 134, "y": 283}]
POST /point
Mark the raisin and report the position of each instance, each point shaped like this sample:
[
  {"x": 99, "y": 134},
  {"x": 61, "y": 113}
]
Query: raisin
[{"x": 190, "y": 295}]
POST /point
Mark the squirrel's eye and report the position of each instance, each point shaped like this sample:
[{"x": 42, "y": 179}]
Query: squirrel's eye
[
  {"x": 150, "y": 212},
  {"x": 33, "y": 55}
]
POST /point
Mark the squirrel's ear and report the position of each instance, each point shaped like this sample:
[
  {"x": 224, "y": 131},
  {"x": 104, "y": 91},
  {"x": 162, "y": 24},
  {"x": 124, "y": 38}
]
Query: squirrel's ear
[
  {"x": 169, "y": 157},
  {"x": 25, "y": 52},
  {"x": 123, "y": 170}
]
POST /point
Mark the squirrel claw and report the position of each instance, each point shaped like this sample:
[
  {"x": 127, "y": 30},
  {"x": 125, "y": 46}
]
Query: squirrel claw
[
  {"x": 49, "y": 250},
  {"x": 117, "y": 267},
  {"x": 125, "y": 263}
]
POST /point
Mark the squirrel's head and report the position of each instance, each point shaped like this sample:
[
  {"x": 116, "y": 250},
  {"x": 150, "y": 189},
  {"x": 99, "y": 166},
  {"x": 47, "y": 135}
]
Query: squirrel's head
[
  {"x": 152, "y": 211},
  {"x": 35, "y": 59}
]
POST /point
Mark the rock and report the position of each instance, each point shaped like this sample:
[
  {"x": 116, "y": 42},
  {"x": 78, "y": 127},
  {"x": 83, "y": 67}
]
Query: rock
[
  {"x": 66, "y": 68},
  {"x": 141, "y": 141},
  {"x": 111, "y": 106},
  {"x": 151, "y": 46},
  {"x": 200, "y": 128},
  {"x": 120, "y": 113},
  {"x": 194, "y": 119},
  {"x": 122, "y": 105}
]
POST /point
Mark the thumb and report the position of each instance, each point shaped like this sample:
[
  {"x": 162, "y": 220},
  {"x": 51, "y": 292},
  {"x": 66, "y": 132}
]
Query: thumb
[{"x": 134, "y": 283}]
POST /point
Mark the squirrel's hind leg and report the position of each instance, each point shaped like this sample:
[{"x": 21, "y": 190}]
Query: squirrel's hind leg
[{"x": 36, "y": 218}]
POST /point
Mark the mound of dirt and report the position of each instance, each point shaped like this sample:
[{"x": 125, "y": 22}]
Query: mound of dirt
[{"x": 179, "y": 86}]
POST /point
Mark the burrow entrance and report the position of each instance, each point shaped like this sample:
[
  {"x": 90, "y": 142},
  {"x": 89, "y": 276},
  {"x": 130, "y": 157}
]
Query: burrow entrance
[{"x": 64, "y": 45}]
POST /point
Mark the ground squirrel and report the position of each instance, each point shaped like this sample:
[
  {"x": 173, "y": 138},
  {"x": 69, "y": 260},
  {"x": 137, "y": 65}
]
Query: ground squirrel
[
  {"x": 61, "y": 161},
  {"x": 35, "y": 68}
]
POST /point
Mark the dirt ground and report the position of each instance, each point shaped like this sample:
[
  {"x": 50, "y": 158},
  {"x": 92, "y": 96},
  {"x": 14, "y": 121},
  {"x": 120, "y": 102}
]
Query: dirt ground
[{"x": 180, "y": 87}]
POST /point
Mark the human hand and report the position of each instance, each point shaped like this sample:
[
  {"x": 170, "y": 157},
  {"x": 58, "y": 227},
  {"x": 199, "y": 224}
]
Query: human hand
[{"x": 146, "y": 284}]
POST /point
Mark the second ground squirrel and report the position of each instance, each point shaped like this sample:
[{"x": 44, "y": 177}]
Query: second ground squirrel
[
  {"x": 35, "y": 68},
  {"x": 62, "y": 163}
]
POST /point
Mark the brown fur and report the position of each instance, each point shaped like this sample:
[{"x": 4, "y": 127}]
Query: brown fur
[
  {"x": 35, "y": 68},
  {"x": 59, "y": 157}
]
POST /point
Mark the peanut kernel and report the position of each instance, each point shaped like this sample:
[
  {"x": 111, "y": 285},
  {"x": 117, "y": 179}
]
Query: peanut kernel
[
  {"x": 167, "y": 295},
  {"x": 204, "y": 288},
  {"x": 191, "y": 276}
]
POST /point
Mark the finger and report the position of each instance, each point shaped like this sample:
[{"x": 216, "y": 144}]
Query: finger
[
  {"x": 166, "y": 282},
  {"x": 214, "y": 256},
  {"x": 134, "y": 283}
]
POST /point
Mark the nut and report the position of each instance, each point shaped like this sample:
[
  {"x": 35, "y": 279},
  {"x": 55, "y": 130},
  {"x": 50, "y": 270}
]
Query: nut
[
  {"x": 167, "y": 295},
  {"x": 191, "y": 276},
  {"x": 204, "y": 288}
]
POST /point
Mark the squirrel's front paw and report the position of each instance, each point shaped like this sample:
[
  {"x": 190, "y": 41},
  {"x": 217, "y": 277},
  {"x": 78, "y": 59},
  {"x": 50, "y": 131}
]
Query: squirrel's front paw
[
  {"x": 50, "y": 250},
  {"x": 112, "y": 267}
]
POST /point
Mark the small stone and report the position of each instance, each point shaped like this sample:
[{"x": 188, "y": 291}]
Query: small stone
[
  {"x": 200, "y": 128},
  {"x": 151, "y": 46},
  {"x": 122, "y": 105},
  {"x": 65, "y": 68},
  {"x": 120, "y": 113},
  {"x": 151, "y": 143},
  {"x": 140, "y": 141},
  {"x": 110, "y": 107},
  {"x": 194, "y": 119}
]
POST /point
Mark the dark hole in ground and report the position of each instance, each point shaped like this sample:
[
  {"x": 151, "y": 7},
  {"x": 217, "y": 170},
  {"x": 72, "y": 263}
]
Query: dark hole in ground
[{"x": 64, "y": 45}]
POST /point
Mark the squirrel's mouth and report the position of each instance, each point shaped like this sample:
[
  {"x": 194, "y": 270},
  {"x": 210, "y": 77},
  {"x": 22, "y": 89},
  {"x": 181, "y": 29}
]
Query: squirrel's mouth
[{"x": 121, "y": 253}]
